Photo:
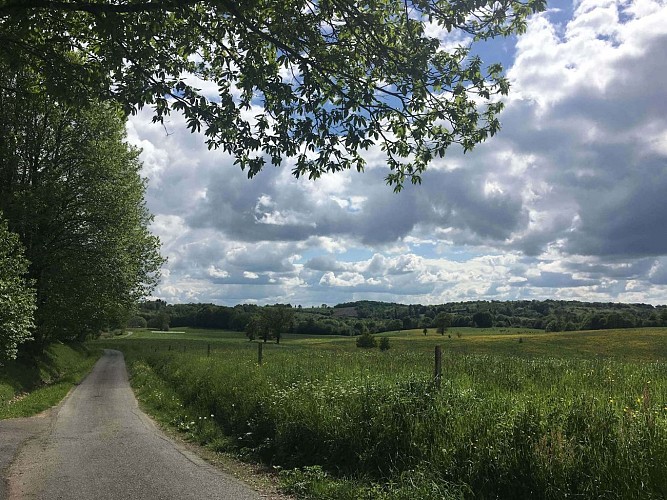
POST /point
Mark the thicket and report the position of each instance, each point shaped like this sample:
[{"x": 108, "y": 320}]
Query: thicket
[{"x": 497, "y": 428}]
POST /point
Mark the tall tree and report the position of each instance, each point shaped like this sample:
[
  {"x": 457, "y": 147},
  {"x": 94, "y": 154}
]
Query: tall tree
[
  {"x": 442, "y": 321},
  {"x": 17, "y": 298},
  {"x": 71, "y": 190},
  {"x": 271, "y": 322},
  {"x": 318, "y": 81},
  {"x": 280, "y": 319}
]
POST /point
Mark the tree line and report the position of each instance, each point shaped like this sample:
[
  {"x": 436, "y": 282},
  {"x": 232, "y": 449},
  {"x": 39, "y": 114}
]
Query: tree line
[
  {"x": 358, "y": 318},
  {"x": 76, "y": 253}
]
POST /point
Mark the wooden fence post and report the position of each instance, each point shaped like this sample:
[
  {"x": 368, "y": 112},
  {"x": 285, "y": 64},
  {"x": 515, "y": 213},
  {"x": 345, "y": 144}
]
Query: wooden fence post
[
  {"x": 438, "y": 366},
  {"x": 259, "y": 353}
]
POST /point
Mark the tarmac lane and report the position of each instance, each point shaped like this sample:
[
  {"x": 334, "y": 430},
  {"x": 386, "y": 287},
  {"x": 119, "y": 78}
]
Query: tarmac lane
[{"x": 98, "y": 444}]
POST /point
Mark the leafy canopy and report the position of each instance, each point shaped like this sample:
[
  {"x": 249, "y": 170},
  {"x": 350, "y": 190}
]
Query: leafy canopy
[
  {"x": 70, "y": 188},
  {"x": 318, "y": 81},
  {"x": 270, "y": 322}
]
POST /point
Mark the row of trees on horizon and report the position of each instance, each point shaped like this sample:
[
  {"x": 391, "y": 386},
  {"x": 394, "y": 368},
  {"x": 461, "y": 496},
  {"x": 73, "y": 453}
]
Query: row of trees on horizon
[{"x": 356, "y": 318}]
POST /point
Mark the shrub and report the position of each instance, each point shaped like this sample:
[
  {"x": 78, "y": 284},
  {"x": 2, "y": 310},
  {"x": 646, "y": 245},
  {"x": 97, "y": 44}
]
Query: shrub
[
  {"x": 366, "y": 341},
  {"x": 384, "y": 344}
]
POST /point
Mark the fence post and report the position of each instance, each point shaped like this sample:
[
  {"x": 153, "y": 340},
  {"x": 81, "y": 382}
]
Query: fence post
[
  {"x": 259, "y": 353},
  {"x": 208, "y": 350},
  {"x": 438, "y": 366}
]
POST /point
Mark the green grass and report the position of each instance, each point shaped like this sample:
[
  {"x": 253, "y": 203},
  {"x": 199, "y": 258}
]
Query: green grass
[
  {"x": 581, "y": 414},
  {"x": 29, "y": 388}
]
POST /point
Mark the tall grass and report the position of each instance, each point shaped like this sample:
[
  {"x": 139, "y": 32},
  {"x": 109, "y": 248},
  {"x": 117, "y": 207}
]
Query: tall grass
[{"x": 498, "y": 427}]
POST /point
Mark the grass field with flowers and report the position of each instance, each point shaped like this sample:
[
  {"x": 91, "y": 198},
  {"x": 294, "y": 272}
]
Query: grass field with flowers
[{"x": 519, "y": 414}]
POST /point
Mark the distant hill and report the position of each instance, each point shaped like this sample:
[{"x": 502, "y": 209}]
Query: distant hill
[{"x": 353, "y": 318}]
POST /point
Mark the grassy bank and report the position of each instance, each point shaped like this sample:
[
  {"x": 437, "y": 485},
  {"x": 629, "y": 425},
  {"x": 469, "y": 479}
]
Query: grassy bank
[
  {"x": 27, "y": 388},
  {"x": 529, "y": 420}
]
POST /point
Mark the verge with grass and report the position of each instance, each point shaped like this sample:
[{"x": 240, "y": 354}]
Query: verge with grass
[{"x": 29, "y": 387}]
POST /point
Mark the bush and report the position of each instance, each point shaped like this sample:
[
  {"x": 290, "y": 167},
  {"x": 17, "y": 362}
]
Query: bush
[
  {"x": 366, "y": 341},
  {"x": 384, "y": 344}
]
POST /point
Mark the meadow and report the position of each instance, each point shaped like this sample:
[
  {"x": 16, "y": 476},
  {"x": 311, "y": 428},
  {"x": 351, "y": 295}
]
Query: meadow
[{"x": 519, "y": 413}]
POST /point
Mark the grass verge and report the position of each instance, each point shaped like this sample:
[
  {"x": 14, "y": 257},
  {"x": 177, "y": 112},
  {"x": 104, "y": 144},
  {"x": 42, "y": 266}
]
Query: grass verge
[
  {"x": 167, "y": 409},
  {"x": 27, "y": 388}
]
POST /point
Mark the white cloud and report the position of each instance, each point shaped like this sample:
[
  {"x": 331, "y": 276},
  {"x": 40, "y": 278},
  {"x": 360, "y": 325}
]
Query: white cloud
[
  {"x": 566, "y": 202},
  {"x": 345, "y": 279},
  {"x": 214, "y": 272}
]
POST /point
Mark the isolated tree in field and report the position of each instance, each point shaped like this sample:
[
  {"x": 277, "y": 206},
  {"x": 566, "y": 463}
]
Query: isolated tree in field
[
  {"x": 17, "y": 298},
  {"x": 319, "y": 82},
  {"x": 442, "y": 321},
  {"x": 275, "y": 321},
  {"x": 253, "y": 328},
  {"x": 280, "y": 319},
  {"x": 270, "y": 323},
  {"x": 72, "y": 192}
]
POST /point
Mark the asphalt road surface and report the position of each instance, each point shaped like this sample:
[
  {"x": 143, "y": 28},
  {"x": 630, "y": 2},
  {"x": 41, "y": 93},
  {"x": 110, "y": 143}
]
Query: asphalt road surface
[{"x": 99, "y": 445}]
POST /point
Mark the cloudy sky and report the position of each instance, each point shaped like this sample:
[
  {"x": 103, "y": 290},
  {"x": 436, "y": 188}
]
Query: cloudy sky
[{"x": 568, "y": 201}]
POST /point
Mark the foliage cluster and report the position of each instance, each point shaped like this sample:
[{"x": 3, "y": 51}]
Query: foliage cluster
[
  {"x": 201, "y": 315},
  {"x": 360, "y": 73},
  {"x": 270, "y": 323},
  {"x": 366, "y": 341},
  {"x": 70, "y": 188},
  {"x": 17, "y": 298},
  {"x": 499, "y": 427}
]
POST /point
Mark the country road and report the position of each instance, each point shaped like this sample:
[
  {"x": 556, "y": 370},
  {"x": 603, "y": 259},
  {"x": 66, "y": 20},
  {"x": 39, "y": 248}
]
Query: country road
[{"x": 100, "y": 445}]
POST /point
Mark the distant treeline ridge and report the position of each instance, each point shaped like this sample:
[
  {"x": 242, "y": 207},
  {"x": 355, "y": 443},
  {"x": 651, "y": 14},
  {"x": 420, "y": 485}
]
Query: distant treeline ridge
[{"x": 355, "y": 318}]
